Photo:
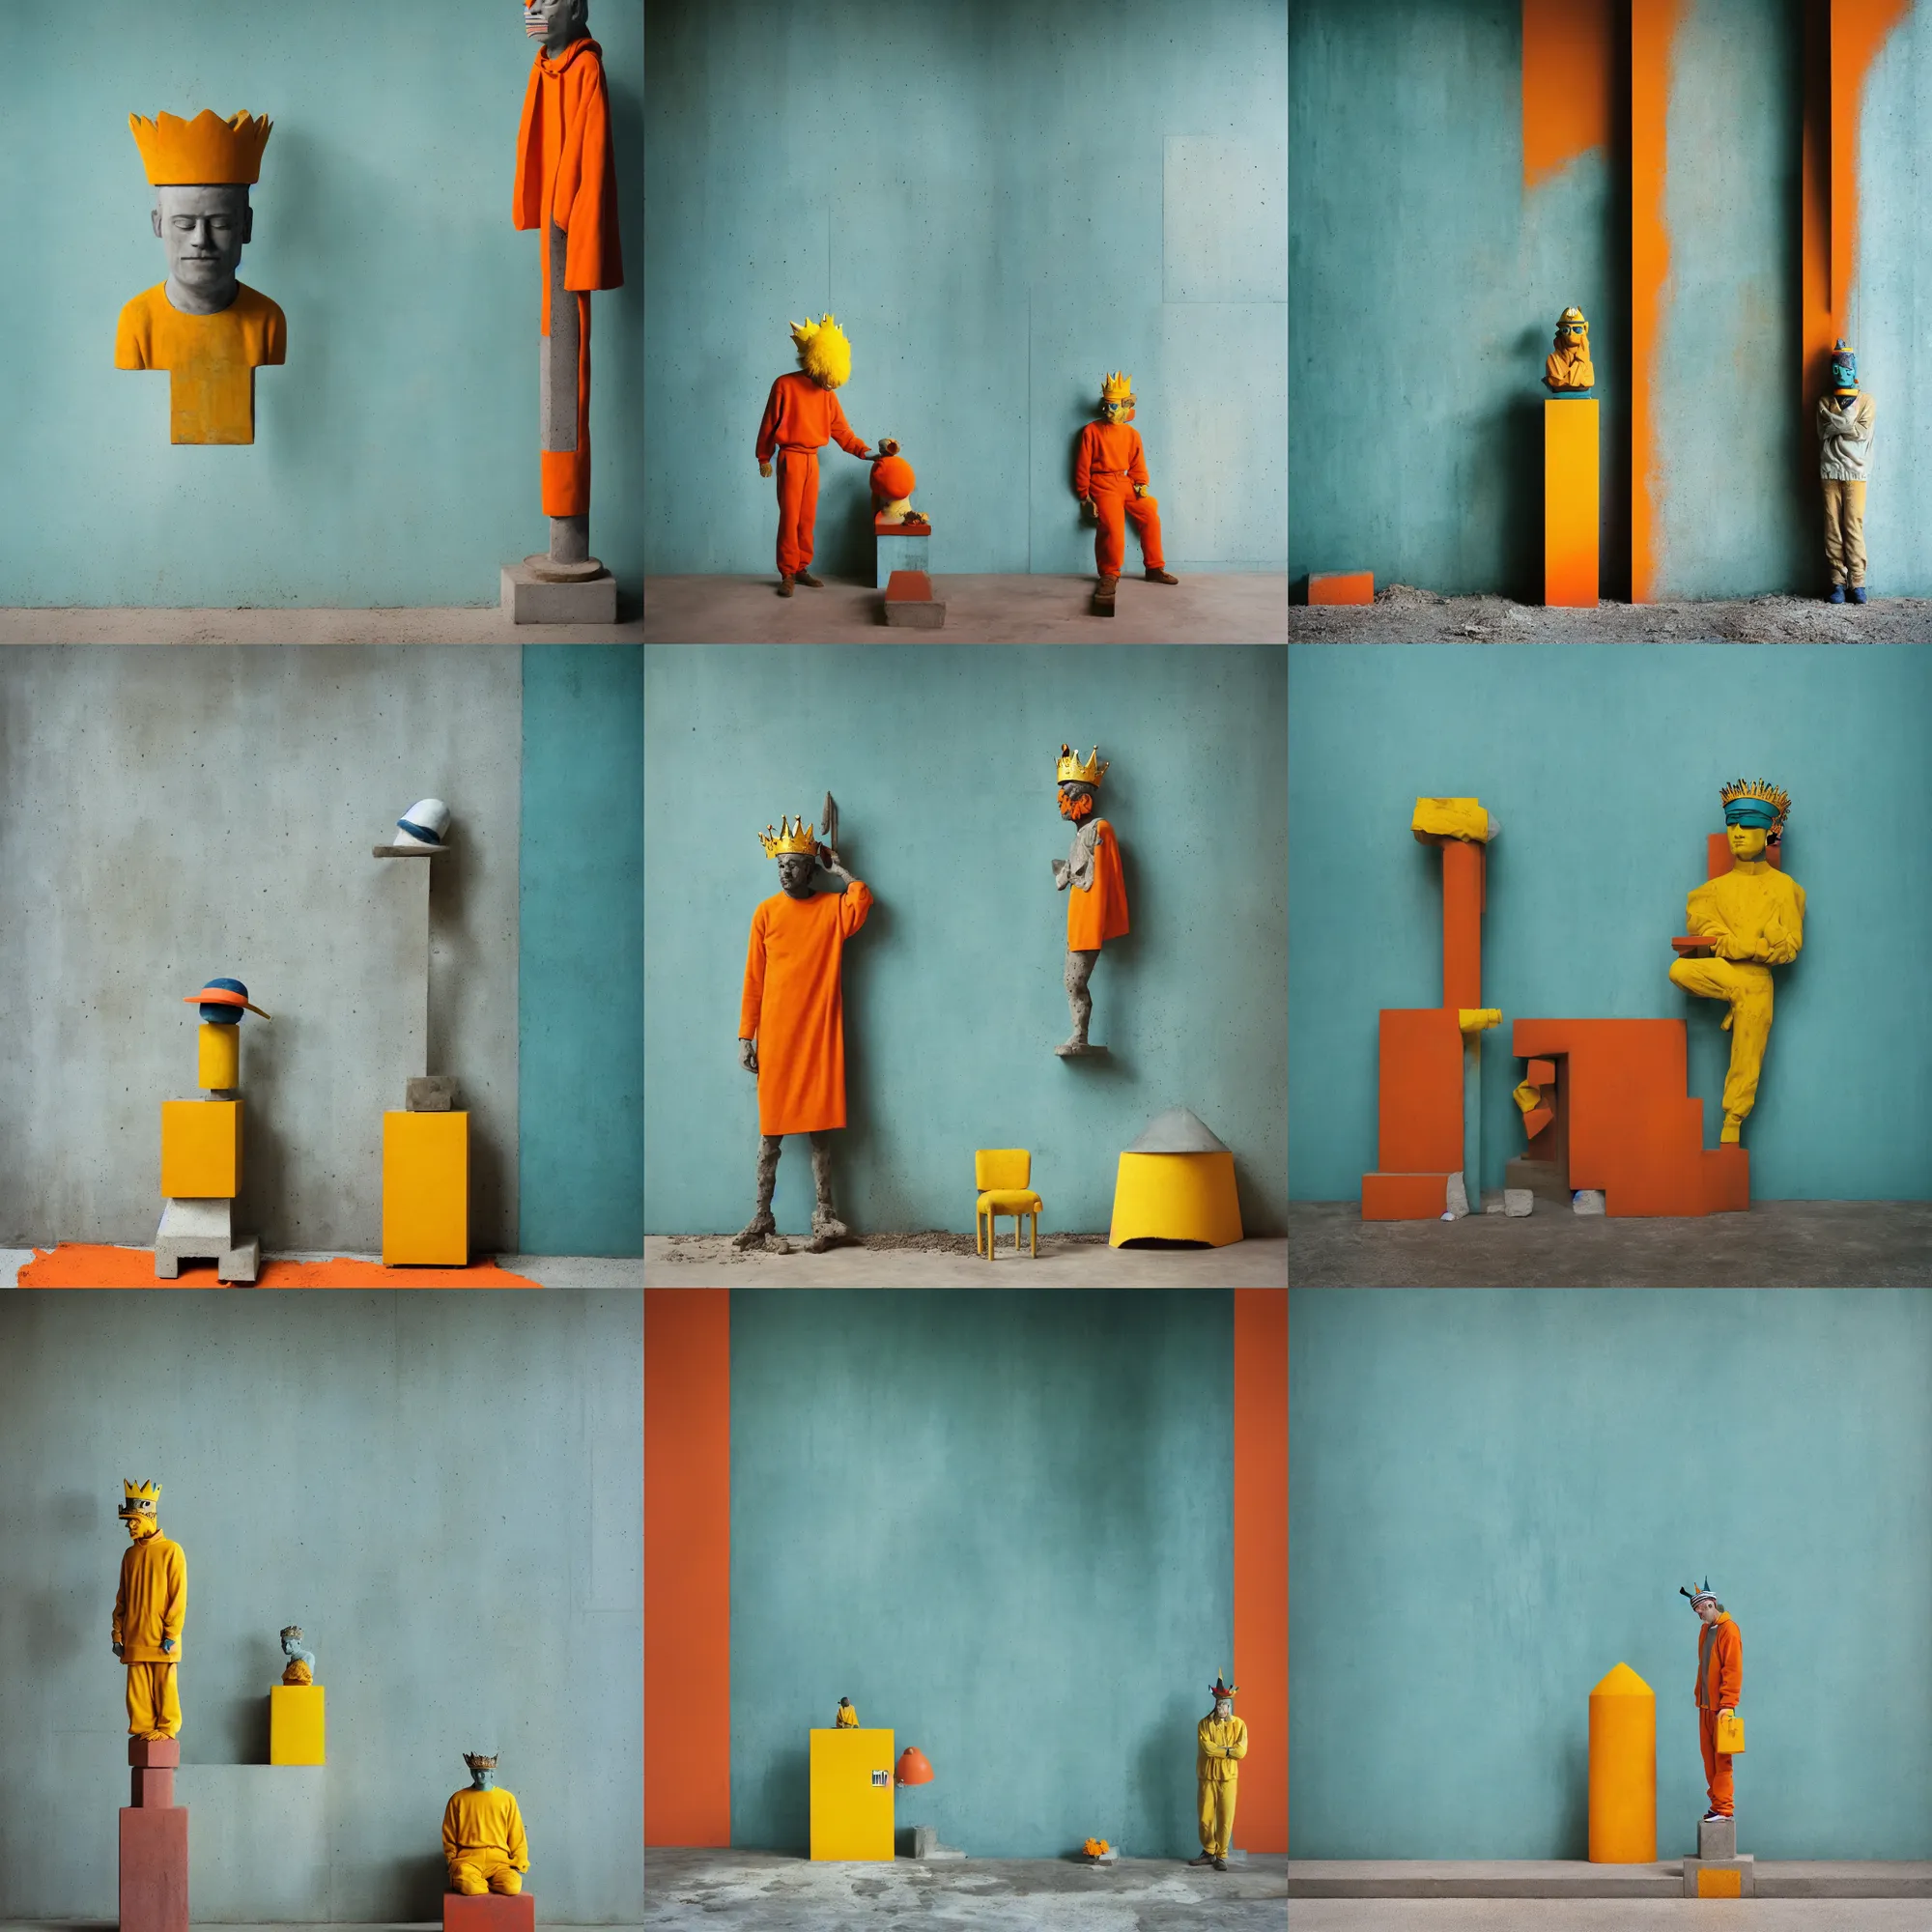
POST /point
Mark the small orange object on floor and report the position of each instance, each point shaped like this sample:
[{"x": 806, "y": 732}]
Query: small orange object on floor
[
  {"x": 1342, "y": 586},
  {"x": 98, "y": 1265}
]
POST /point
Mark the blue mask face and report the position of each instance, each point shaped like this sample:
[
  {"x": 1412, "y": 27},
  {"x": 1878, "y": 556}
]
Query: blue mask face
[{"x": 1845, "y": 372}]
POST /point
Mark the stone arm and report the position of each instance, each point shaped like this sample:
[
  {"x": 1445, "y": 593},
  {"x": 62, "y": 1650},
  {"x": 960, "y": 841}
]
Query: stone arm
[{"x": 1077, "y": 867}]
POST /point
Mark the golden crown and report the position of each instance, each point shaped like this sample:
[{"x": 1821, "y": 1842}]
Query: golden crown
[
  {"x": 477, "y": 1761},
  {"x": 1757, "y": 788},
  {"x": 1116, "y": 388},
  {"x": 139, "y": 1501},
  {"x": 178, "y": 153},
  {"x": 1071, "y": 769},
  {"x": 793, "y": 837}
]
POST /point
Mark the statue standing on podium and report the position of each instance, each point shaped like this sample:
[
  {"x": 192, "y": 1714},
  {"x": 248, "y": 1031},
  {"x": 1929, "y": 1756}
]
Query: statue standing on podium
[
  {"x": 483, "y": 1842},
  {"x": 150, "y": 1609}
]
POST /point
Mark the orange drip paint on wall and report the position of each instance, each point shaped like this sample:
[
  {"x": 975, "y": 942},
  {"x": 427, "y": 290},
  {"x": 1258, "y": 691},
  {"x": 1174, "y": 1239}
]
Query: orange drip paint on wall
[
  {"x": 1566, "y": 84},
  {"x": 1261, "y": 1561},
  {"x": 686, "y": 1565},
  {"x": 1653, "y": 27}
]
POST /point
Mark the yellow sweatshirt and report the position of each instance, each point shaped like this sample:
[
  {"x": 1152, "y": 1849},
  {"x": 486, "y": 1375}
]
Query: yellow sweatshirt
[
  {"x": 1229, "y": 1732},
  {"x": 1754, "y": 912},
  {"x": 485, "y": 1821},
  {"x": 152, "y": 1601}
]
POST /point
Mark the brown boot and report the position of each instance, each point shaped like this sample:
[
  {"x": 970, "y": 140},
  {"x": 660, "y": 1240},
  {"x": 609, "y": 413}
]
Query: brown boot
[
  {"x": 1155, "y": 575},
  {"x": 784, "y": 586},
  {"x": 811, "y": 582}
]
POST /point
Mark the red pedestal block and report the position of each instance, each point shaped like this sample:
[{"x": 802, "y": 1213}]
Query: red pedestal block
[
  {"x": 489, "y": 1911},
  {"x": 153, "y": 1870},
  {"x": 155, "y": 1754},
  {"x": 154, "y": 1790}
]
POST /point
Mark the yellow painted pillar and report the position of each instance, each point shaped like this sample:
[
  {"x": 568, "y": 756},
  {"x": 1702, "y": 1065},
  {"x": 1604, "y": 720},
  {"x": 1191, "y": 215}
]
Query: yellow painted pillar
[
  {"x": 1571, "y": 517},
  {"x": 1623, "y": 1769},
  {"x": 221, "y": 1051}
]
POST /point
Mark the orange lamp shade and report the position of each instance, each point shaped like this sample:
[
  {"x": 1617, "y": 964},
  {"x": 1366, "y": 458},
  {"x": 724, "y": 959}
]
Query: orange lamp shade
[
  {"x": 892, "y": 476},
  {"x": 913, "y": 1767}
]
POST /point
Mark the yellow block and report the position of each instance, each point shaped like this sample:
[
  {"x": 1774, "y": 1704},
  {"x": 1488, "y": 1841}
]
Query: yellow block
[
  {"x": 1720, "y": 1885},
  {"x": 201, "y": 1150},
  {"x": 425, "y": 1189},
  {"x": 852, "y": 1793},
  {"x": 295, "y": 1724},
  {"x": 1623, "y": 1769},
  {"x": 220, "y": 1056},
  {"x": 1176, "y": 1197},
  {"x": 1570, "y": 510}
]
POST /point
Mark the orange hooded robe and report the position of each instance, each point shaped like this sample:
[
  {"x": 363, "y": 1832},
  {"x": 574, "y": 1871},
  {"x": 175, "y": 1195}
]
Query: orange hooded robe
[
  {"x": 794, "y": 1008},
  {"x": 567, "y": 180},
  {"x": 1720, "y": 1682},
  {"x": 1099, "y": 913}
]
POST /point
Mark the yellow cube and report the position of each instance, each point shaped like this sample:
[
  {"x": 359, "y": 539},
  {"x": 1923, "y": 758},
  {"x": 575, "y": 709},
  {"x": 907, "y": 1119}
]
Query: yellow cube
[
  {"x": 296, "y": 1724},
  {"x": 201, "y": 1150},
  {"x": 852, "y": 1793},
  {"x": 220, "y": 1053},
  {"x": 425, "y": 1189}
]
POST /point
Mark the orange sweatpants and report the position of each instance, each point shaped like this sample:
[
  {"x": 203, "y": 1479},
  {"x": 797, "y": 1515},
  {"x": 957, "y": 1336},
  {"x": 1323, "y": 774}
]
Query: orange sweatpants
[
  {"x": 1717, "y": 1763},
  {"x": 798, "y": 508},
  {"x": 1114, "y": 499}
]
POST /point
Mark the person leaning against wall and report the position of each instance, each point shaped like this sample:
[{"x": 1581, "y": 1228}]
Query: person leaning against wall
[{"x": 1845, "y": 420}]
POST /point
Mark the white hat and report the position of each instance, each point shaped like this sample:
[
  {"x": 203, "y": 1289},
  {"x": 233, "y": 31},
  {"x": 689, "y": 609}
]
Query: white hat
[{"x": 425, "y": 823}]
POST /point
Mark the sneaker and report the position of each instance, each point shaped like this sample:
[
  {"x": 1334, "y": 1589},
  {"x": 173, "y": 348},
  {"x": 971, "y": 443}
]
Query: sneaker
[
  {"x": 1220, "y": 1865},
  {"x": 1858, "y": 594},
  {"x": 1715, "y": 1817},
  {"x": 1837, "y": 595},
  {"x": 784, "y": 586},
  {"x": 1205, "y": 1859}
]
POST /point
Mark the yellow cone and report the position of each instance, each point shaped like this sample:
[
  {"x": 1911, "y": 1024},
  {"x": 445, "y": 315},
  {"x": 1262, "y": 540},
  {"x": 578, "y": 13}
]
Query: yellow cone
[{"x": 1623, "y": 1769}]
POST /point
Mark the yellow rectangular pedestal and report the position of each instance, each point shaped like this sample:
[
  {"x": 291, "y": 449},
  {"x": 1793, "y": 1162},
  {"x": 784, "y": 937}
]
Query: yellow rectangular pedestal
[
  {"x": 201, "y": 1150},
  {"x": 425, "y": 1189},
  {"x": 1571, "y": 519},
  {"x": 852, "y": 1793},
  {"x": 296, "y": 1724}
]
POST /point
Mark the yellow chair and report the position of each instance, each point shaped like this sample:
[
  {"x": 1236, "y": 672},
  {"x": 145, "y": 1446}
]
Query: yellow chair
[{"x": 1001, "y": 1174}]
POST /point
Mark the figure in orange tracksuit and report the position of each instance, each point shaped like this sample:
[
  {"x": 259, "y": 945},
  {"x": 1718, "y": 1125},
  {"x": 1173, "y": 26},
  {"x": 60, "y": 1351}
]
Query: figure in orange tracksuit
[
  {"x": 1090, "y": 877},
  {"x": 802, "y": 415},
  {"x": 1110, "y": 478},
  {"x": 1721, "y": 1672}
]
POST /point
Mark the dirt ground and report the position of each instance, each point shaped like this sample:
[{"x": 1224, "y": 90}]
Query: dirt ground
[{"x": 1403, "y": 615}]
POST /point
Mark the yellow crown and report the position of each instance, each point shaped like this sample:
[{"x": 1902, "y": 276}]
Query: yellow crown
[
  {"x": 793, "y": 837},
  {"x": 1116, "y": 388},
  {"x": 139, "y": 1501},
  {"x": 823, "y": 350},
  {"x": 1757, "y": 788},
  {"x": 177, "y": 153},
  {"x": 1071, "y": 769}
]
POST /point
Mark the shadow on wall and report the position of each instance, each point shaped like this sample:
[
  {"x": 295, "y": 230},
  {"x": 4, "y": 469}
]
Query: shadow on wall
[
  {"x": 788, "y": 1798},
  {"x": 1164, "y": 1782},
  {"x": 420, "y": 1883}
]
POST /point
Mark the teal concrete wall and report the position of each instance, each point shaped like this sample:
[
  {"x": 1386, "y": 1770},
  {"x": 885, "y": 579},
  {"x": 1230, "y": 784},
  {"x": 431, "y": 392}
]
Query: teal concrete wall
[
  {"x": 580, "y": 990},
  {"x": 1001, "y": 204},
  {"x": 1604, "y": 765},
  {"x": 1493, "y": 1497},
  {"x": 1003, "y": 1527},
  {"x": 395, "y": 459},
  {"x": 440, "y": 1488},
  {"x": 941, "y": 760}
]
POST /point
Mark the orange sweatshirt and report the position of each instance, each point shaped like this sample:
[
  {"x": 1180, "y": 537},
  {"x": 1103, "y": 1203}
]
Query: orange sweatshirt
[
  {"x": 152, "y": 1601},
  {"x": 1106, "y": 449},
  {"x": 1720, "y": 1665},
  {"x": 799, "y": 414},
  {"x": 567, "y": 171}
]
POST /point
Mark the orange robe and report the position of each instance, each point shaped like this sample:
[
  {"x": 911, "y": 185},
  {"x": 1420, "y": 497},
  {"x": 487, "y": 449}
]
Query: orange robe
[
  {"x": 1098, "y": 913},
  {"x": 212, "y": 358},
  {"x": 794, "y": 1008},
  {"x": 1109, "y": 462},
  {"x": 800, "y": 418},
  {"x": 1720, "y": 1681},
  {"x": 567, "y": 185}
]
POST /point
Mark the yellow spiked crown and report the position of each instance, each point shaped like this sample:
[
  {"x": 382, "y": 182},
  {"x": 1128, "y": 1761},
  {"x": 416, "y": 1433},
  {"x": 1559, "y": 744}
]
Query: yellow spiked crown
[
  {"x": 795, "y": 838},
  {"x": 1071, "y": 771},
  {"x": 178, "y": 153},
  {"x": 1117, "y": 388},
  {"x": 824, "y": 351},
  {"x": 141, "y": 1501},
  {"x": 1779, "y": 801}
]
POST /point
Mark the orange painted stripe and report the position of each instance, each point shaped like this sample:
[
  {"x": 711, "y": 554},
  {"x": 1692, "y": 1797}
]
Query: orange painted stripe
[
  {"x": 1261, "y": 1560},
  {"x": 1566, "y": 84},
  {"x": 1653, "y": 27},
  {"x": 96, "y": 1265},
  {"x": 686, "y": 1565}
]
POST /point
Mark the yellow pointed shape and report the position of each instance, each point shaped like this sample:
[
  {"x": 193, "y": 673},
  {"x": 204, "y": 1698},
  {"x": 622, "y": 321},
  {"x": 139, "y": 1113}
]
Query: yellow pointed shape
[
  {"x": 1623, "y": 1769},
  {"x": 1622, "y": 1681}
]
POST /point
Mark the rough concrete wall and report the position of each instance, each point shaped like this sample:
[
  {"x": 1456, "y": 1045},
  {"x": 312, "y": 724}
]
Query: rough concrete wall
[
  {"x": 1604, "y": 765},
  {"x": 941, "y": 760},
  {"x": 441, "y": 1490},
  {"x": 395, "y": 456},
  {"x": 1519, "y": 1481},
  {"x": 1425, "y": 288},
  {"x": 167, "y": 814},
  {"x": 1003, "y": 1527},
  {"x": 1732, "y": 443},
  {"x": 1001, "y": 205},
  {"x": 580, "y": 982}
]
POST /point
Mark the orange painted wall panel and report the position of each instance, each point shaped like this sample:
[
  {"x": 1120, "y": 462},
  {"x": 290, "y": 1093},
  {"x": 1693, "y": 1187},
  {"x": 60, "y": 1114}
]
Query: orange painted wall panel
[
  {"x": 1572, "y": 519},
  {"x": 1465, "y": 887},
  {"x": 1566, "y": 83},
  {"x": 1653, "y": 30},
  {"x": 687, "y": 1565},
  {"x": 1261, "y": 1562},
  {"x": 1419, "y": 1091}
]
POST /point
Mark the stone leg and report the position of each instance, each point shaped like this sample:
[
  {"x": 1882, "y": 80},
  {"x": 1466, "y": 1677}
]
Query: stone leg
[
  {"x": 1080, "y": 1001},
  {"x": 825, "y": 1226},
  {"x": 761, "y": 1231}
]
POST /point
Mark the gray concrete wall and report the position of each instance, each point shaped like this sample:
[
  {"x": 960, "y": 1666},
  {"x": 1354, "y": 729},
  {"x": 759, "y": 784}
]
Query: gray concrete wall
[
  {"x": 168, "y": 814},
  {"x": 442, "y": 1490}
]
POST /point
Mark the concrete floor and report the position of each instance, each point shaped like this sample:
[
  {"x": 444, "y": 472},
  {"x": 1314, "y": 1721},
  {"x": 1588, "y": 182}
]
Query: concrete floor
[
  {"x": 1777, "y": 1244},
  {"x": 1403, "y": 615},
  {"x": 710, "y": 1261},
  {"x": 775, "y": 1892},
  {"x": 1219, "y": 607},
  {"x": 1573, "y": 1879},
  {"x": 456, "y": 625},
  {"x": 582, "y": 1271},
  {"x": 1609, "y": 1914}
]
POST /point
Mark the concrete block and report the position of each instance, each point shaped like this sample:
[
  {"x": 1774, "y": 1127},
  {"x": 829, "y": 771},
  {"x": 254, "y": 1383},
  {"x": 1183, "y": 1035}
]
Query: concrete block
[
  {"x": 297, "y": 1727},
  {"x": 1720, "y": 1878},
  {"x": 1456, "y": 1201},
  {"x": 925, "y": 1844},
  {"x": 154, "y": 1870},
  {"x": 1518, "y": 1200},
  {"x": 526, "y": 600},
  {"x": 201, "y": 1228},
  {"x": 1717, "y": 1839},
  {"x": 431, "y": 1094},
  {"x": 201, "y": 1148},
  {"x": 910, "y": 602},
  {"x": 260, "y": 1851},
  {"x": 489, "y": 1911},
  {"x": 1587, "y": 1200},
  {"x": 425, "y": 1189}
]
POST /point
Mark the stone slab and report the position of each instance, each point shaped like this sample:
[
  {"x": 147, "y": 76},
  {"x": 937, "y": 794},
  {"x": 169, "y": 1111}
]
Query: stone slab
[
  {"x": 159, "y": 1752},
  {"x": 910, "y": 604},
  {"x": 1717, "y": 1837},
  {"x": 260, "y": 1851},
  {"x": 150, "y": 1790},
  {"x": 431, "y": 1094},
  {"x": 528, "y": 601},
  {"x": 1714, "y": 1878}
]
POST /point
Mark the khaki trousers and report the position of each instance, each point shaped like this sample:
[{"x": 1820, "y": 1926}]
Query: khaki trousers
[{"x": 1845, "y": 530}]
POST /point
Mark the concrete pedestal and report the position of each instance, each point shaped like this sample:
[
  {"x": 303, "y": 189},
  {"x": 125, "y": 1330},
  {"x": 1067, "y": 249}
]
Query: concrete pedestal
[
  {"x": 526, "y": 600},
  {"x": 489, "y": 1911},
  {"x": 911, "y": 603},
  {"x": 902, "y": 546},
  {"x": 200, "y": 1229},
  {"x": 1720, "y": 1878}
]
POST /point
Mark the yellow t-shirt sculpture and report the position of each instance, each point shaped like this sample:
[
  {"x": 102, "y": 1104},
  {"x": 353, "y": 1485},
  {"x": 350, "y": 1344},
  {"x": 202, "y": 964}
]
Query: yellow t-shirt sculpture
[
  {"x": 483, "y": 1842},
  {"x": 150, "y": 1609},
  {"x": 1220, "y": 1744},
  {"x": 1754, "y": 918}
]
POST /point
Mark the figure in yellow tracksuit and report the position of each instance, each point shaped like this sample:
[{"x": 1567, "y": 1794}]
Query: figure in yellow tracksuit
[
  {"x": 1754, "y": 918},
  {"x": 847, "y": 1718},
  {"x": 149, "y": 1607},
  {"x": 483, "y": 1841},
  {"x": 1220, "y": 1744},
  {"x": 1721, "y": 1683}
]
